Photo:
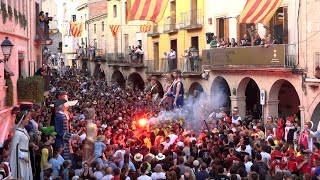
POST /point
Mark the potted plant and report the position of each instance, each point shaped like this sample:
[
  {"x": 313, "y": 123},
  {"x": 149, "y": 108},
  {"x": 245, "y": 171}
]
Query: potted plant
[{"x": 10, "y": 13}]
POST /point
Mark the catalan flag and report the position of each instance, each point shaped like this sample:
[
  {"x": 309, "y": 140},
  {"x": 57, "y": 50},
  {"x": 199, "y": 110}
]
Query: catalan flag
[
  {"x": 114, "y": 29},
  {"x": 259, "y": 11},
  {"x": 149, "y": 10},
  {"x": 76, "y": 29},
  {"x": 145, "y": 28}
]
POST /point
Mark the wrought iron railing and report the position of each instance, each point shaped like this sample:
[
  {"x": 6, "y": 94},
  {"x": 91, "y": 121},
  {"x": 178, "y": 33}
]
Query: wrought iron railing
[
  {"x": 170, "y": 25},
  {"x": 154, "y": 31},
  {"x": 192, "y": 19}
]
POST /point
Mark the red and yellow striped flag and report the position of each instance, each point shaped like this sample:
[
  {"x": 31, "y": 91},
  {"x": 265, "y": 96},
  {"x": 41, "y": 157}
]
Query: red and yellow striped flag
[
  {"x": 145, "y": 28},
  {"x": 259, "y": 11},
  {"x": 76, "y": 29},
  {"x": 114, "y": 29},
  {"x": 149, "y": 10}
]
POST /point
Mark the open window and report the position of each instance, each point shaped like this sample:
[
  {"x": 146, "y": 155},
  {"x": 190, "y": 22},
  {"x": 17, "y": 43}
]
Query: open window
[{"x": 278, "y": 25}]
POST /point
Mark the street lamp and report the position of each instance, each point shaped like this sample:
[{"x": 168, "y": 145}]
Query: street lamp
[{"x": 6, "y": 47}]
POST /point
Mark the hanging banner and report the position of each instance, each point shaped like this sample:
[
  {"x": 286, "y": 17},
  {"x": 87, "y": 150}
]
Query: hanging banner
[
  {"x": 145, "y": 28},
  {"x": 259, "y": 11},
  {"x": 147, "y": 10},
  {"x": 114, "y": 29},
  {"x": 76, "y": 29}
]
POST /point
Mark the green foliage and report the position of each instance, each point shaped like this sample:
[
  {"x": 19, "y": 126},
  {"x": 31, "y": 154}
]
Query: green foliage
[
  {"x": 24, "y": 21},
  {"x": 4, "y": 12},
  {"x": 20, "y": 19},
  {"x": 16, "y": 16},
  {"x": 10, "y": 12},
  {"x": 31, "y": 89},
  {"x": 9, "y": 96}
]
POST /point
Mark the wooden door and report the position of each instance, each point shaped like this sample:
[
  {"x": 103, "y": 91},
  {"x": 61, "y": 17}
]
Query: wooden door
[{"x": 156, "y": 56}]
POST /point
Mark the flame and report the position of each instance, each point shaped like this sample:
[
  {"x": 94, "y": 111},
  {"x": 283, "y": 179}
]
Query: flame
[{"x": 142, "y": 122}]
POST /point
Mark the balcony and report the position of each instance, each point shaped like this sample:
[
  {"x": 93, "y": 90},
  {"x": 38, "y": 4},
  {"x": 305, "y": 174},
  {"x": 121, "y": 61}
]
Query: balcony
[
  {"x": 192, "y": 19},
  {"x": 192, "y": 67},
  {"x": 123, "y": 60},
  {"x": 155, "y": 67},
  {"x": 272, "y": 58},
  {"x": 170, "y": 25},
  {"x": 154, "y": 31}
]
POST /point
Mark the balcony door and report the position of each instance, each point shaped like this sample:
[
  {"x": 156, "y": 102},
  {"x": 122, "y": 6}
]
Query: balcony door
[
  {"x": 195, "y": 42},
  {"x": 278, "y": 25},
  {"x": 174, "y": 46},
  {"x": 194, "y": 12},
  {"x": 156, "y": 55},
  {"x": 222, "y": 26}
]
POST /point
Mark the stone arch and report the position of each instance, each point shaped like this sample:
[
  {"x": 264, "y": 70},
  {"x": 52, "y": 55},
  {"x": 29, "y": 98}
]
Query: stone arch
[
  {"x": 118, "y": 77},
  {"x": 135, "y": 81},
  {"x": 285, "y": 96},
  {"x": 220, "y": 93},
  {"x": 195, "y": 86},
  {"x": 315, "y": 117},
  {"x": 96, "y": 71},
  {"x": 248, "y": 98}
]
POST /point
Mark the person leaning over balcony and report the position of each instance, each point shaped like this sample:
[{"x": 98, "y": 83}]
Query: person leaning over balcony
[
  {"x": 233, "y": 43},
  {"x": 186, "y": 57},
  {"x": 41, "y": 24},
  {"x": 245, "y": 41},
  {"x": 171, "y": 60}
]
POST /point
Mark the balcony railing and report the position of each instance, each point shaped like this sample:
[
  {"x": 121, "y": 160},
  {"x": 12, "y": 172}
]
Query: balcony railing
[
  {"x": 192, "y": 19},
  {"x": 154, "y": 31},
  {"x": 170, "y": 25},
  {"x": 157, "y": 67},
  {"x": 274, "y": 56},
  {"x": 192, "y": 64}
]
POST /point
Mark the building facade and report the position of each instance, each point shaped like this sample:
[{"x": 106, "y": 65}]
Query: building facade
[{"x": 18, "y": 22}]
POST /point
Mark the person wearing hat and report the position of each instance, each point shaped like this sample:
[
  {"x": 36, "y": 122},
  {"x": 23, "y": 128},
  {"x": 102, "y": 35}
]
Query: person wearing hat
[
  {"x": 62, "y": 127},
  {"x": 20, "y": 155},
  {"x": 178, "y": 89},
  {"x": 158, "y": 173},
  {"x": 49, "y": 136},
  {"x": 59, "y": 95}
]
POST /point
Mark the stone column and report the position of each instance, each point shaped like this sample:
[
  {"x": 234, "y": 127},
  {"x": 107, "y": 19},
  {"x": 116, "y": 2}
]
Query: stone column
[
  {"x": 302, "y": 118},
  {"x": 240, "y": 102},
  {"x": 271, "y": 109}
]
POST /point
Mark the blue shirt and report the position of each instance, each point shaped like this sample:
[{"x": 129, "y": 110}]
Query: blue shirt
[
  {"x": 131, "y": 165},
  {"x": 55, "y": 166},
  {"x": 60, "y": 160},
  {"x": 98, "y": 147}
]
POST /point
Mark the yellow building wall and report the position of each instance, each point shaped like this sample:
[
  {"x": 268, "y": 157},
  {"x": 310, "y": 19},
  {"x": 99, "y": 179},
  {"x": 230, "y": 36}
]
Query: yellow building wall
[{"x": 183, "y": 36}]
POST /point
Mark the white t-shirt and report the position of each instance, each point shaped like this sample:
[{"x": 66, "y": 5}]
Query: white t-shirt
[
  {"x": 173, "y": 138},
  {"x": 107, "y": 177},
  {"x": 265, "y": 157},
  {"x": 144, "y": 177},
  {"x": 236, "y": 119},
  {"x": 98, "y": 174},
  {"x": 158, "y": 175},
  {"x": 248, "y": 166}
]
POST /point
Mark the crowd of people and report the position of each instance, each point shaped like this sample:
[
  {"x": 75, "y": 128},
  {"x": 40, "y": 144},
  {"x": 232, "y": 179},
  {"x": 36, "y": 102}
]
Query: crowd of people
[{"x": 89, "y": 129}]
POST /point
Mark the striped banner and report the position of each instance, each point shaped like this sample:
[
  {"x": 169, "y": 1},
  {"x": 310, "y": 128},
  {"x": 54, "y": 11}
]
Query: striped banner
[
  {"x": 76, "y": 29},
  {"x": 114, "y": 29},
  {"x": 259, "y": 11},
  {"x": 149, "y": 10},
  {"x": 145, "y": 28}
]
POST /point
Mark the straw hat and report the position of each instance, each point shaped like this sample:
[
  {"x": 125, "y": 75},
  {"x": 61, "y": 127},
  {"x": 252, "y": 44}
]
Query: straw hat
[
  {"x": 160, "y": 157},
  {"x": 138, "y": 157}
]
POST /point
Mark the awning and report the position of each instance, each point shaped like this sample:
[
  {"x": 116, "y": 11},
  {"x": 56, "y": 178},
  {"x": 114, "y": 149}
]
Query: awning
[
  {"x": 259, "y": 11},
  {"x": 8, "y": 70}
]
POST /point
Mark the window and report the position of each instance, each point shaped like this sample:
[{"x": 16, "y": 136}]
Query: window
[
  {"x": 74, "y": 18},
  {"x": 102, "y": 24},
  {"x": 114, "y": 11},
  {"x": 94, "y": 28}
]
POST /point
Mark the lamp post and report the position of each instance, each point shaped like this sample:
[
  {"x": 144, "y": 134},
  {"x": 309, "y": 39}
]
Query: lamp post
[{"x": 6, "y": 47}]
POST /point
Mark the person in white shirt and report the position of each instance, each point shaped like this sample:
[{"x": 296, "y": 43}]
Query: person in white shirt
[
  {"x": 108, "y": 175},
  {"x": 166, "y": 143},
  {"x": 159, "y": 173},
  {"x": 236, "y": 118},
  {"x": 173, "y": 137},
  {"x": 143, "y": 176},
  {"x": 120, "y": 150},
  {"x": 172, "y": 60},
  {"x": 265, "y": 156},
  {"x": 248, "y": 163},
  {"x": 98, "y": 174}
]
